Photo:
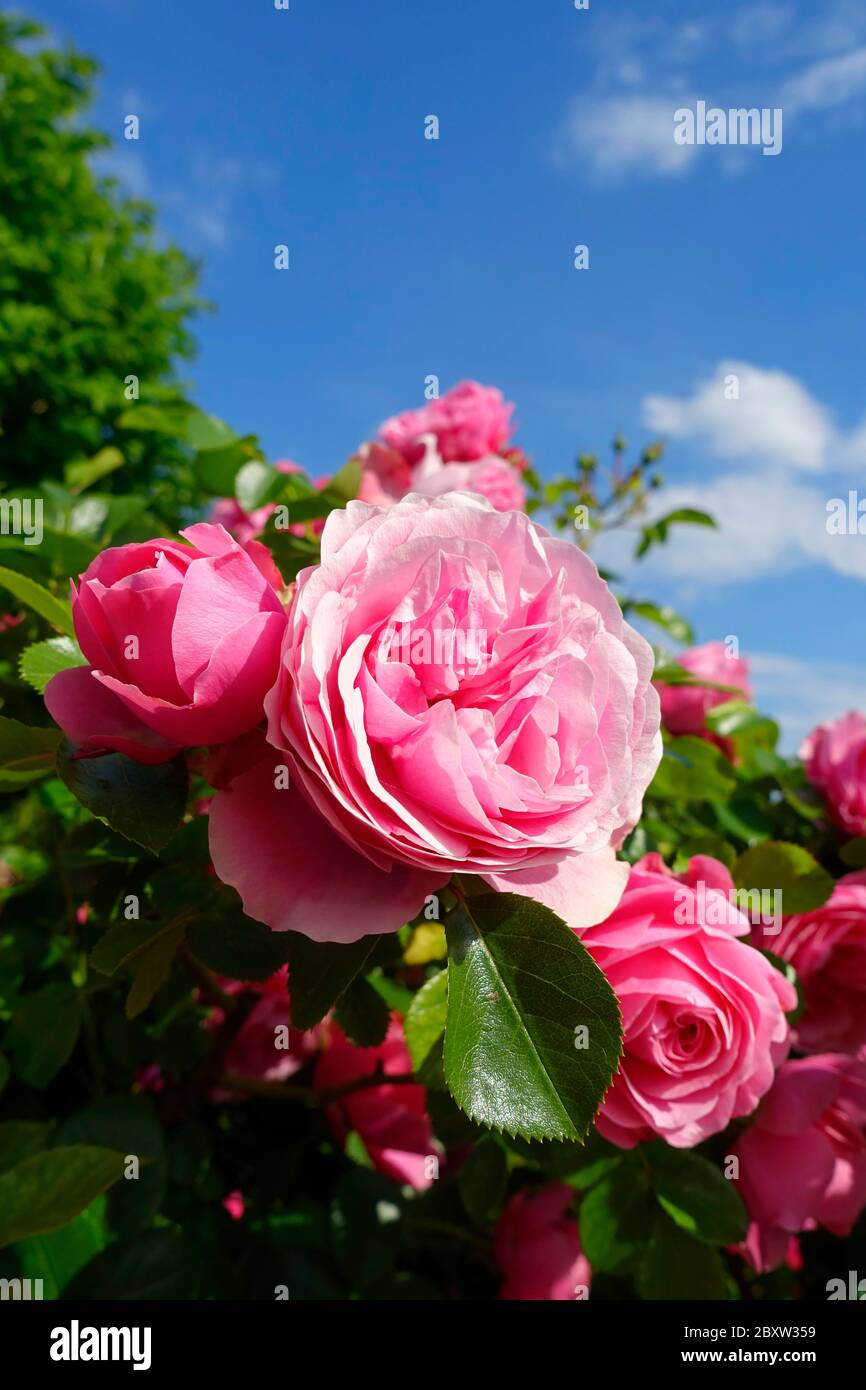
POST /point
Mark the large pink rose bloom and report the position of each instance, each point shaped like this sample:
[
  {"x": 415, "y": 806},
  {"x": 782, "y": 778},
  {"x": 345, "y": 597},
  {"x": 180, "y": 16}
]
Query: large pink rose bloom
[
  {"x": 182, "y": 641},
  {"x": 835, "y": 759},
  {"x": 703, "y": 1012},
  {"x": 538, "y": 1248},
  {"x": 803, "y": 1161},
  {"x": 468, "y": 422},
  {"x": 827, "y": 948},
  {"x": 391, "y": 1119},
  {"x": 685, "y": 707},
  {"x": 457, "y": 691}
]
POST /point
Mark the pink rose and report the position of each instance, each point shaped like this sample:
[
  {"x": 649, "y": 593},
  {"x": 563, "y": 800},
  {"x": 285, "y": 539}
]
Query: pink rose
[
  {"x": 391, "y": 1119},
  {"x": 490, "y": 477},
  {"x": 827, "y": 948},
  {"x": 835, "y": 759},
  {"x": 457, "y": 691},
  {"x": 468, "y": 422},
  {"x": 803, "y": 1161},
  {"x": 703, "y": 1013},
  {"x": 538, "y": 1248},
  {"x": 183, "y": 643},
  {"x": 234, "y": 1204},
  {"x": 386, "y": 477},
  {"x": 266, "y": 1047},
  {"x": 685, "y": 707}
]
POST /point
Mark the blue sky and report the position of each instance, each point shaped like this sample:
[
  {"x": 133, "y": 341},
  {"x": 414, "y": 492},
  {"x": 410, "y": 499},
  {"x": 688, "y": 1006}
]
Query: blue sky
[{"x": 455, "y": 257}]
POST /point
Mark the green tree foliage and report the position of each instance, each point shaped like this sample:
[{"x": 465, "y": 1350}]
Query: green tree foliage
[{"x": 87, "y": 298}]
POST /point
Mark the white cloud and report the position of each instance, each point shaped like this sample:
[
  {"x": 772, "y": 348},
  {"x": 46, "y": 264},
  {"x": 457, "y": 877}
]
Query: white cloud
[
  {"x": 774, "y": 419},
  {"x": 624, "y": 133},
  {"x": 768, "y": 525},
  {"x": 830, "y": 82},
  {"x": 768, "y": 52}
]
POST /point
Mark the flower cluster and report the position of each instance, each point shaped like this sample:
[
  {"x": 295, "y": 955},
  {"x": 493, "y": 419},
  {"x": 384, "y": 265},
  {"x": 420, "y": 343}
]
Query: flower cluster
[{"x": 452, "y": 691}]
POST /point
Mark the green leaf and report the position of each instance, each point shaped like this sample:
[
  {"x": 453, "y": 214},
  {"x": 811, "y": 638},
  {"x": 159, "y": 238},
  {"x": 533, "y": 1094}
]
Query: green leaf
[
  {"x": 159, "y": 1264},
  {"x": 854, "y": 853},
  {"x": 57, "y": 1256},
  {"x": 48, "y": 1189},
  {"x": 25, "y": 754},
  {"x": 321, "y": 971},
  {"x": 81, "y": 475},
  {"x": 693, "y": 770},
  {"x": 216, "y": 469},
  {"x": 5, "y": 1071},
  {"x": 483, "y": 1179},
  {"x": 131, "y": 1125},
  {"x": 21, "y": 1138},
  {"x": 170, "y": 419},
  {"x": 345, "y": 484},
  {"x": 790, "y": 869},
  {"x": 204, "y": 431},
  {"x": 148, "y": 948},
  {"x": 44, "y": 1032},
  {"x": 42, "y": 660},
  {"x": 425, "y": 1020},
  {"x": 674, "y": 1266},
  {"x": 257, "y": 483},
  {"x": 57, "y": 611},
  {"x": 697, "y": 1196},
  {"x": 363, "y": 1014},
  {"x": 231, "y": 944},
  {"x": 520, "y": 985},
  {"x": 616, "y": 1217},
  {"x": 656, "y": 533},
  {"x": 665, "y": 617},
  {"x": 144, "y": 802}
]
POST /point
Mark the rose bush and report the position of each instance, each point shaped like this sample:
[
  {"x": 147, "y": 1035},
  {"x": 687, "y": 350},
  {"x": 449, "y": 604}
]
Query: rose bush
[{"x": 357, "y": 893}]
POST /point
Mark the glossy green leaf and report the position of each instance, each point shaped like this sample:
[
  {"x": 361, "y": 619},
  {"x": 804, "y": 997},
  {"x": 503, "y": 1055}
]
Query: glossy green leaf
[
  {"x": 674, "y": 1266},
  {"x": 697, "y": 1196},
  {"x": 483, "y": 1179},
  {"x": 616, "y": 1217},
  {"x": 44, "y": 1032},
  {"x": 51, "y": 1188},
  {"x": 789, "y": 869},
  {"x": 55, "y": 610},
  {"x": 26, "y": 754},
  {"x": 363, "y": 1014},
  {"x": 321, "y": 971},
  {"x": 425, "y": 1020},
  {"x": 520, "y": 985},
  {"x": 144, "y": 802},
  {"x": 42, "y": 660}
]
